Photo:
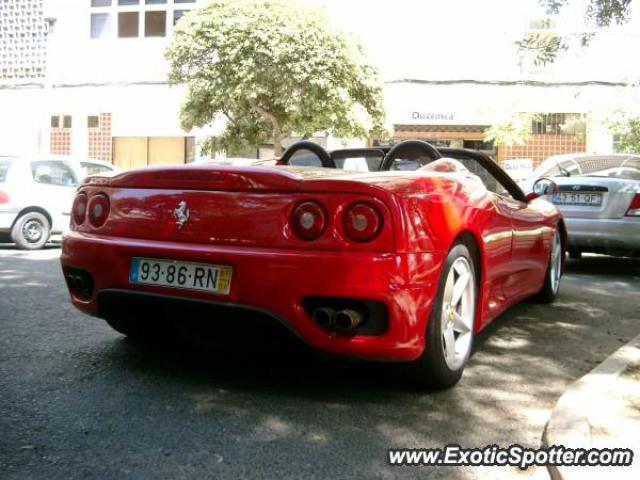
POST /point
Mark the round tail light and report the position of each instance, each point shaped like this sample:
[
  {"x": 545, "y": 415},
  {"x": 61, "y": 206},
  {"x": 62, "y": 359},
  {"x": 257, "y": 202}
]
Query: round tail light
[
  {"x": 79, "y": 208},
  {"x": 309, "y": 220},
  {"x": 98, "y": 209},
  {"x": 362, "y": 222}
]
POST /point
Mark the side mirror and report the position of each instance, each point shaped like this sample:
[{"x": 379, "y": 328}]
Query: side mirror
[{"x": 542, "y": 186}]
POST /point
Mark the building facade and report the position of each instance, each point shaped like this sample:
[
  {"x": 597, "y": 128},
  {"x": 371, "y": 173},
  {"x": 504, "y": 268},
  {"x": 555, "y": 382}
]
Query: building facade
[
  {"x": 99, "y": 89},
  {"x": 566, "y": 116},
  {"x": 88, "y": 78}
]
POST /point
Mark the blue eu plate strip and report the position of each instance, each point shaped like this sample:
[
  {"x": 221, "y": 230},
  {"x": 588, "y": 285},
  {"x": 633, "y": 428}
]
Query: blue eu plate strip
[{"x": 133, "y": 273}]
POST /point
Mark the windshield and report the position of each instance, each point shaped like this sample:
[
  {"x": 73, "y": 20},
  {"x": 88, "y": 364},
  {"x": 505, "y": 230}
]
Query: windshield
[
  {"x": 362, "y": 161},
  {"x": 5, "y": 163}
]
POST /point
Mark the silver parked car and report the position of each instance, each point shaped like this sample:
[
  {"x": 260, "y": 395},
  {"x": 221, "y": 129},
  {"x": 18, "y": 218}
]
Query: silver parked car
[
  {"x": 36, "y": 195},
  {"x": 599, "y": 196}
]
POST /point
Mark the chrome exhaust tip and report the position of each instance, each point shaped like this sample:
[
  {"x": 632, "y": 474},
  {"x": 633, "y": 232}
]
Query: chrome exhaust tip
[{"x": 348, "y": 319}]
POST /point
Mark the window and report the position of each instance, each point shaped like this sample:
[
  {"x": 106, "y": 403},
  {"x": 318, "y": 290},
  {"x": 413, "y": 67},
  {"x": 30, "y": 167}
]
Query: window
[
  {"x": 562, "y": 169},
  {"x": 90, "y": 168},
  {"x": 128, "y": 24},
  {"x": 4, "y": 169},
  {"x": 362, "y": 160},
  {"x": 53, "y": 172},
  {"x": 189, "y": 149},
  {"x": 155, "y": 24},
  {"x": 305, "y": 158},
  {"x": 135, "y": 18},
  {"x": 177, "y": 15},
  {"x": 66, "y": 121},
  {"x": 478, "y": 145},
  {"x": 93, "y": 121},
  {"x": 547, "y": 123},
  {"x": 55, "y": 121},
  {"x": 100, "y": 25}
]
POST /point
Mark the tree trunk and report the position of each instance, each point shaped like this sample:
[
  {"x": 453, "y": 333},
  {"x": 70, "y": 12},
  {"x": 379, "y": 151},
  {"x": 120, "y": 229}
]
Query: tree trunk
[
  {"x": 277, "y": 141},
  {"x": 277, "y": 131}
]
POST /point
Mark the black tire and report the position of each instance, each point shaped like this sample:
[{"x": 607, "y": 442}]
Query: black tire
[
  {"x": 430, "y": 371},
  {"x": 575, "y": 254},
  {"x": 549, "y": 292},
  {"x": 31, "y": 231}
]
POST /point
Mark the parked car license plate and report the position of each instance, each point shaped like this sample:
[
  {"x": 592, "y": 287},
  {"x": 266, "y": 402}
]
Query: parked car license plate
[
  {"x": 173, "y": 273},
  {"x": 582, "y": 198}
]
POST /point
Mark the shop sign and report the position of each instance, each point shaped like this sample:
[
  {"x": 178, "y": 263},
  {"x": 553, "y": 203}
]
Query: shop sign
[{"x": 519, "y": 168}]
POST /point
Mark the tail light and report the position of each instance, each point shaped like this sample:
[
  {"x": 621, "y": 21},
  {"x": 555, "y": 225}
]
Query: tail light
[
  {"x": 309, "y": 220},
  {"x": 362, "y": 222},
  {"x": 98, "y": 209},
  {"x": 634, "y": 207},
  {"x": 79, "y": 208},
  {"x": 4, "y": 197}
]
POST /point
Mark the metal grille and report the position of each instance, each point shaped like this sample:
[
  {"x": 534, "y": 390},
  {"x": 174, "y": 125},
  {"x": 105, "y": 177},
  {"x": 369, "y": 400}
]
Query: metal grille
[{"x": 23, "y": 32}]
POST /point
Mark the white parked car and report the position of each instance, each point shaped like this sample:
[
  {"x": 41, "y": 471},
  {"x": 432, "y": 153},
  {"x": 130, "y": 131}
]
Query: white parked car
[
  {"x": 36, "y": 195},
  {"x": 599, "y": 197}
]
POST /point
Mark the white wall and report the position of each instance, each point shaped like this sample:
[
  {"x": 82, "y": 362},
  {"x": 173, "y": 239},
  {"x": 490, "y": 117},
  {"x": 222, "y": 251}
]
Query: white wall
[
  {"x": 21, "y": 120},
  {"x": 75, "y": 57}
]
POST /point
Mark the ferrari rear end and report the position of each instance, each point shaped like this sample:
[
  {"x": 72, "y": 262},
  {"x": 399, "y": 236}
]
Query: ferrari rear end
[{"x": 313, "y": 251}]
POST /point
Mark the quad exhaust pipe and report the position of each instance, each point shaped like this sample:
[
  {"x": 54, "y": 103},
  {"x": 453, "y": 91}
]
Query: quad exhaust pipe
[
  {"x": 339, "y": 321},
  {"x": 324, "y": 316}
]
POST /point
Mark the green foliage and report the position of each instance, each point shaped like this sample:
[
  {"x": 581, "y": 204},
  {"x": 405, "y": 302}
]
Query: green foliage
[
  {"x": 272, "y": 68},
  {"x": 544, "y": 49},
  {"x": 514, "y": 129},
  {"x": 627, "y": 134},
  {"x": 598, "y": 14}
]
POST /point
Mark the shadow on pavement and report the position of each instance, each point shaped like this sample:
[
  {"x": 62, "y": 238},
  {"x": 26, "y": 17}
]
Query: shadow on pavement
[
  {"x": 604, "y": 265},
  {"x": 287, "y": 414}
]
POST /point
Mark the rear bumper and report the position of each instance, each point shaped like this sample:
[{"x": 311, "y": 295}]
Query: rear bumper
[
  {"x": 605, "y": 234},
  {"x": 276, "y": 281}
]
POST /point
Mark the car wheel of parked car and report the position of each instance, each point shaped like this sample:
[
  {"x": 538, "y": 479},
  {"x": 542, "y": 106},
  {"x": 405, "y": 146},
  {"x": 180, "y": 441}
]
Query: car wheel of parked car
[
  {"x": 31, "y": 231},
  {"x": 551, "y": 283},
  {"x": 449, "y": 335}
]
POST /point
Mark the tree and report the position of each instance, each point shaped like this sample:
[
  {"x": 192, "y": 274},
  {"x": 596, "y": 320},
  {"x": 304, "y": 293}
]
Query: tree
[
  {"x": 272, "y": 69},
  {"x": 597, "y": 14},
  {"x": 511, "y": 129},
  {"x": 627, "y": 132}
]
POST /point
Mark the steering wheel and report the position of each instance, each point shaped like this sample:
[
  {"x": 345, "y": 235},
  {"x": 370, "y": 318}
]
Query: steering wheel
[
  {"x": 317, "y": 150},
  {"x": 410, "y": 150}
]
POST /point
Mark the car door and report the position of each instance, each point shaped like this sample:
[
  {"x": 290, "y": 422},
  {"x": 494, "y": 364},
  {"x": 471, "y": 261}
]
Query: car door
[
  {"x": 530, "y": 244},
  {"x": 53, "y": 186},
  {"x": 530, "y": 241}
]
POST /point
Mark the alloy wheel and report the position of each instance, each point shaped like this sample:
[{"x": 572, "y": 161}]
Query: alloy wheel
[
  {"x": 33, "y": 230},
  {"x": 458, "y": 311}
]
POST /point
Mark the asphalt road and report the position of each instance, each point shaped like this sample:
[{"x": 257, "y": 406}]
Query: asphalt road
[{"x": 77, "y": 400}]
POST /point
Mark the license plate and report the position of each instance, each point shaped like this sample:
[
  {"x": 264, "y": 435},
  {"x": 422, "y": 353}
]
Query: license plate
[
  {"x": 582, "y": 198},
  {"x": 189, "y": 275}
]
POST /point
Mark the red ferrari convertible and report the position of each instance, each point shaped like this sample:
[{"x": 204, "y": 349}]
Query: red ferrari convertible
[{"x": 398, "y": 255}]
